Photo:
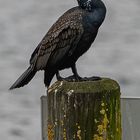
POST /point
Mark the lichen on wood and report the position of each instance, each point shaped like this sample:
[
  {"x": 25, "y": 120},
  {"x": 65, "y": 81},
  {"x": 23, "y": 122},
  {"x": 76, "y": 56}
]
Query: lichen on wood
[{"x": 87, "y": 110}]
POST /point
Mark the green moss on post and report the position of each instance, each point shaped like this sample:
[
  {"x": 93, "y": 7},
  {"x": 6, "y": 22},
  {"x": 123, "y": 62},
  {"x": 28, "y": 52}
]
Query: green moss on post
[{"x": 87, "y": 110}]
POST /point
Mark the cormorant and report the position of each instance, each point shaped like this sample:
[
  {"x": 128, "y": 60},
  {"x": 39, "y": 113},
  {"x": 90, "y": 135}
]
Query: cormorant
[{"x": 69, "y": 38}]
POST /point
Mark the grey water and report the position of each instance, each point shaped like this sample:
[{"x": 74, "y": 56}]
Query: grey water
[{"x": 114, "y": 54}]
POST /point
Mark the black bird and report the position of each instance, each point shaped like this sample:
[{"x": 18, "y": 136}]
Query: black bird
[{"x": 69, "y": 38}]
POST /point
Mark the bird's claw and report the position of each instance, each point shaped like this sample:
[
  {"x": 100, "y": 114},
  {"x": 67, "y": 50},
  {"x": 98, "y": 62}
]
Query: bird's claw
[{"x": 93, "y": 78}]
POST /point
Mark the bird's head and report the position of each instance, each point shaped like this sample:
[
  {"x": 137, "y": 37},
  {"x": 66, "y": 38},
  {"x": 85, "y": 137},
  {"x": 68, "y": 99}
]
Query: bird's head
[{"x": 86, "y": 4}]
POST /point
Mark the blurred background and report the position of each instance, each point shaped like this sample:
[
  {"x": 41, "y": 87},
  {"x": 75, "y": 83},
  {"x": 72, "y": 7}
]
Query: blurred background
[{"x": 115, "y": 54}]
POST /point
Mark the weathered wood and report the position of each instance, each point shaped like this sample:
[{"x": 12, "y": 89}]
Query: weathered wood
[{"x": 87, "y": 110}]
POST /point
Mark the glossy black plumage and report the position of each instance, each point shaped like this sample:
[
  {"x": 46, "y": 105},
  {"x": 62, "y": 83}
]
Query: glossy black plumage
[{"x": 70, "y": 37}]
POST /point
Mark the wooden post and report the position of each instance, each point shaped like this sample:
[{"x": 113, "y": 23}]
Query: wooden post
[{"x": 87, "y": 110}]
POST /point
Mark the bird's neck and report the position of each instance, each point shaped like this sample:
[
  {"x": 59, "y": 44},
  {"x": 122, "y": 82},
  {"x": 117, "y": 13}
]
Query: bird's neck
[{"x": 90, "y": 5}]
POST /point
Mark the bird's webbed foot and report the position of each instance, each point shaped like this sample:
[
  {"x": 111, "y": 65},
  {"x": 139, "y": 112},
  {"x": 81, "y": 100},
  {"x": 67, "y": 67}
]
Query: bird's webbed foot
[
  {"x": 73, "y": 78},
  {"x": 93, "y": 78},
  {"x": 76, "y": 78}
]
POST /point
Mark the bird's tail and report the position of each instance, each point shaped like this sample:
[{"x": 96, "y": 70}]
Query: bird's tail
[{"x": 25, "y": 78}]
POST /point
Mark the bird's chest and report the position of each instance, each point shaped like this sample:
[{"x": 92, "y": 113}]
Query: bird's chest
[
  {"x": 93, "y": 20},
  {"x": 86, "y": 40}
]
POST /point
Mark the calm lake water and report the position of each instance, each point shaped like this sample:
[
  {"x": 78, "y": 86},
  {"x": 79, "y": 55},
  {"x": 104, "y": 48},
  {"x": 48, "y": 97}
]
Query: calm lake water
[{"x": 115, "y": 54}]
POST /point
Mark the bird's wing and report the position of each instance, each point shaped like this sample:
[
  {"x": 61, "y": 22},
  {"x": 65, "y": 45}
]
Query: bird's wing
[{"x": 59, "y": 40}]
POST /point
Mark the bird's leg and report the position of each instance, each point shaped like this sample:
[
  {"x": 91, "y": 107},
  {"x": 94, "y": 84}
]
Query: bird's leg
[
  {"x": 78, "y": 78},
  {"x": 76, "y": 75},
  {"x": 69, "y": 78},
  {"x": 59, "y": 78}
]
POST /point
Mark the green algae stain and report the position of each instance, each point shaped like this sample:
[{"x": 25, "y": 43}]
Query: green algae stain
[{"x": 102, "y": 125}]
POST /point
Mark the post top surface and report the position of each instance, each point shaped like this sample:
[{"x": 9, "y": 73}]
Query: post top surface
[{"x": 103, "y": 85}]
